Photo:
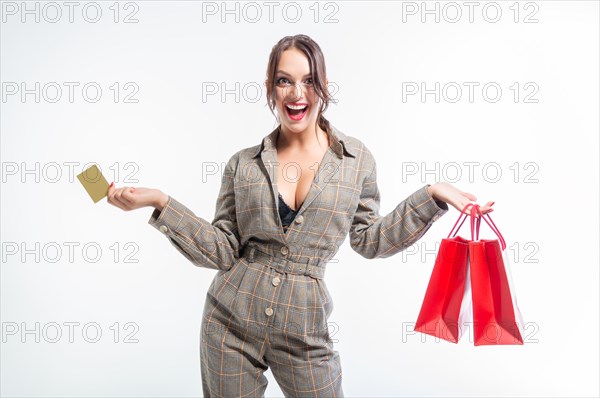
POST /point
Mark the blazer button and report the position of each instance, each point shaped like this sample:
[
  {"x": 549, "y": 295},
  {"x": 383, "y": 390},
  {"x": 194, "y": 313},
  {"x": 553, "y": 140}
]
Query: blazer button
[
  {"x": 269, "y": 311},
  {"x": 285, "y": 250},
  {"x": 299, "y": 219},
  {"x": 164, "y": 229},
  {"x": 276, "y": 281}
]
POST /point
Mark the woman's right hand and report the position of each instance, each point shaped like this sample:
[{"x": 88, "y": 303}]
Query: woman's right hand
[{"x": 129, "y": 198}]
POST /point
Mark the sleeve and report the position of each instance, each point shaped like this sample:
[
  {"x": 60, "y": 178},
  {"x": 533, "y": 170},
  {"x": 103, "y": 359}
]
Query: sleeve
[
  {"x": 213, "y": 245},
  {"x": 376, "y": 236}
]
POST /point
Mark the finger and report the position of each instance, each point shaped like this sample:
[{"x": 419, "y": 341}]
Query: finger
[
  {"x": 127, "y": 196},
  {"x": 487, "y": 207},
  {"x": 115, "y": 202},
  {"x": 114, "y": 192},
  {"x": 111, "y": 196},
  {"x": 123, "y": 204},
  {"x": 118, "y": 197},
  {"x": 467, "y": 210},
  {"x": 119, "y": 192},
  {"x": 111, "y": 191}
]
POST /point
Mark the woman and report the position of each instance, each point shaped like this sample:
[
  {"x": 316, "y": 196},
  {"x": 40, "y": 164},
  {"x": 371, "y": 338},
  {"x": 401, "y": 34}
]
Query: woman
[{"x": 274, "y": 230}]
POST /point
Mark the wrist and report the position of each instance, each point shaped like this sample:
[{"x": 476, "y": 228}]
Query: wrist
[
  {"x": 431, "y": 191},
  {"x": 161, "y": 200}
]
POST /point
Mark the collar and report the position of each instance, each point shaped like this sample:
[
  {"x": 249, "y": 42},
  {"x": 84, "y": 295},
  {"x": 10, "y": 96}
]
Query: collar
[{"x": 339, "y": 143}]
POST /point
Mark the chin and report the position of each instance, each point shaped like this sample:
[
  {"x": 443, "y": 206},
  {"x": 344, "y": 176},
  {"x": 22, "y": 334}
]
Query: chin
[{"x": 299, "y": 127}]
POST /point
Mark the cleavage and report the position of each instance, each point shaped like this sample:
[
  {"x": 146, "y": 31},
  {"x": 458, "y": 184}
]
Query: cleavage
[{"x": 288, "y": 206}]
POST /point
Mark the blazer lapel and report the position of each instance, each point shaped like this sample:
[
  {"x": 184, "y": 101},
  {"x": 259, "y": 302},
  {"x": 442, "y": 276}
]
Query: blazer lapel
[{"x": 328, "y": 172}]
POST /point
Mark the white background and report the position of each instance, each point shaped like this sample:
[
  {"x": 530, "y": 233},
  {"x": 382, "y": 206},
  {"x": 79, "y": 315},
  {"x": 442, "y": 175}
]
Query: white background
[{"x": 550, "y": 223}]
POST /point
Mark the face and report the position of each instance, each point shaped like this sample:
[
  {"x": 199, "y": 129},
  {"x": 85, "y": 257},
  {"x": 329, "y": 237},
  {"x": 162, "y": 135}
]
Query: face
[{"x": 295, "y": 98}]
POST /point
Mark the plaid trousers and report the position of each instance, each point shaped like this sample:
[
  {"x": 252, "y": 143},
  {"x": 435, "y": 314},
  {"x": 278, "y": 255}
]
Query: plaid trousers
[{"x": 268, "y": 304}]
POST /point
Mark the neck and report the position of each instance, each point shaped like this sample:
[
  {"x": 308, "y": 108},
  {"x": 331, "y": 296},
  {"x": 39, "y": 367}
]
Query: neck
[{"x": 303, "y": 140}]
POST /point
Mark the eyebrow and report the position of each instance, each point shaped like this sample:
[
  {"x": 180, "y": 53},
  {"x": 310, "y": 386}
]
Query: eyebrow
[{"x": 285, "y": 73}]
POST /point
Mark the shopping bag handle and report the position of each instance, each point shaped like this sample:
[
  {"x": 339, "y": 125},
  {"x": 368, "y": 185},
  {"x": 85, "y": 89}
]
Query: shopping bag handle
[
  {"x": 464, "y": 211},
  {"x": 475, "y": 219},
  {"x": 493, "y": 226}
]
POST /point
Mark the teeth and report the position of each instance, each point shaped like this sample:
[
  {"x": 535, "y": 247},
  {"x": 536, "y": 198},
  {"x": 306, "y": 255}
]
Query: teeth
[{"x": 296, "y": 106}]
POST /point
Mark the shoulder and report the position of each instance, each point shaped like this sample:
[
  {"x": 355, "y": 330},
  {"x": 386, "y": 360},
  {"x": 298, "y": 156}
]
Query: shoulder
[
  {"x": 243, "y": 155},
  {"x": 244, "y": 161},
  {"x": 362, "y": 154}
]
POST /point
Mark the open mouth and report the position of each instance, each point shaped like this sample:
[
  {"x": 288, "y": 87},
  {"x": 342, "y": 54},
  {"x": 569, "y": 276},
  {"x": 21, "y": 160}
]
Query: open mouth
[{"x": 296, "y": 112}]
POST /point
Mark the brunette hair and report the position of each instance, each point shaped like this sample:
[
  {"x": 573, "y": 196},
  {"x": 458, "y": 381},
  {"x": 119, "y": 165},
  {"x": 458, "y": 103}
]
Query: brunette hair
[{"x": 317, "y": 69}]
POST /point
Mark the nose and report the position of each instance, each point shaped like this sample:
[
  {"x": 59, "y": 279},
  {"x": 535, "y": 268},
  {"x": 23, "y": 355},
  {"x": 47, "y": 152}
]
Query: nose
[{"x": 296, "y": 91}]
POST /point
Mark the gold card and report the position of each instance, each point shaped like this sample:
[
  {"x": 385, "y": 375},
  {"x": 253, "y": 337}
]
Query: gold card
[{"x": 94, "y": 183}]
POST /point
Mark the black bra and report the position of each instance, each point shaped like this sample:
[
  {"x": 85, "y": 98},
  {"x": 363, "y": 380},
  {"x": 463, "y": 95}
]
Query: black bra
[{"x": 286, "y": 213}]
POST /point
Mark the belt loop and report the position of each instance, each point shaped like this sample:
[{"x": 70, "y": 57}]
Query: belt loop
[
  {"x": 251, "y": 256},
  {"x": 308, "y": 267},
  {"x": 307, "y": 270}
]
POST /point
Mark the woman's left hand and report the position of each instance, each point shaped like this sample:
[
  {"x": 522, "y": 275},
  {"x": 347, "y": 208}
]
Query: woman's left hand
[{"x": 457, "y": 198}]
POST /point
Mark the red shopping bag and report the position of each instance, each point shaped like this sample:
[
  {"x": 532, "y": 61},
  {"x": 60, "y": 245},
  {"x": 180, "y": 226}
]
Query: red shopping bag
[
  {"x": 496, "y": 316},
  {"x": 446, "y": 303}
]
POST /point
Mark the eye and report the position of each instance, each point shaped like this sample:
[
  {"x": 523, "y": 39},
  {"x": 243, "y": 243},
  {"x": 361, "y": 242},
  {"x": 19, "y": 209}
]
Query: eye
[{"x": 282, "y": 80}]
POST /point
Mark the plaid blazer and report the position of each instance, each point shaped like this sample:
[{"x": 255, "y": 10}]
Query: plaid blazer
[{"x": 343, "y": 198}]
